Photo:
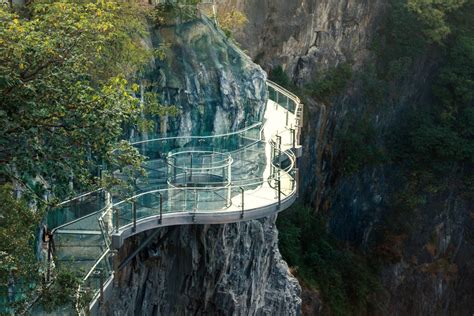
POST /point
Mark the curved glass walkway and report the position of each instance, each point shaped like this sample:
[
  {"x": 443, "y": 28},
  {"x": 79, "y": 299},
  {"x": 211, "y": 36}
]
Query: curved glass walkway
[{"x": 238, "y": 176}]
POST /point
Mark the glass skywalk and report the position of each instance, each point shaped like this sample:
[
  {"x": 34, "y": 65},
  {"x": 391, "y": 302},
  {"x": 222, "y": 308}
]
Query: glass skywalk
[{"x": 243, "y": 175}]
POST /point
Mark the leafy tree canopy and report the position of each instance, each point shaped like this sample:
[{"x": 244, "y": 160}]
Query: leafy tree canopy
[
  {"x": 433, "y": 14},
  {"x": 66, "y": 89}
]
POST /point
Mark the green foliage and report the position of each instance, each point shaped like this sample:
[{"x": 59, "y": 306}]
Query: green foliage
[
  {"x": 231, "y": 21},
  {"x": 331, "y": 83},
  {"x": 170, "y": 13},
  {"x": 437, "y": 141},
  {"x": 358, "y": 147},
  {"x": 433, "y": 15},
  {"x": 278, "y": 75},
  {"x": 18, "y": 225},
  {"x": 373, "y": 88},
  {"x": 65, "y": 92},
  {"x": 344, "y": 279},
  {"x": 62, "y": 292}
]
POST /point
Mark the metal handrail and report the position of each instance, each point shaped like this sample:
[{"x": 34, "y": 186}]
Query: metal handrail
[
  {"x": 283, "y": 91},
  {"x": 83, "y": 195},
  {"x": 198, "y": 137}
]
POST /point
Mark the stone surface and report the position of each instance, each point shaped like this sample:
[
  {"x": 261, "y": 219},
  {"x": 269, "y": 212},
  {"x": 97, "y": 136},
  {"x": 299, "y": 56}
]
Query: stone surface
[
  {"x": 233, "y": 269},
  {"x": 216, "y": 87},
  {"x": 306, "y": 35},
  {"x": 433, "y": 272}
]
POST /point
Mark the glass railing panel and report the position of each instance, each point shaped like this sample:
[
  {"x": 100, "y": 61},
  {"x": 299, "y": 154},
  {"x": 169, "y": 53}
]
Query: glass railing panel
[
  {"x": 122, "y": 214},
  {"x": 76, "y": 208},
  {"x": 98, "y": 275},
  {"x": 213, "y": 199},
  {"x": 87, "y": 223}
]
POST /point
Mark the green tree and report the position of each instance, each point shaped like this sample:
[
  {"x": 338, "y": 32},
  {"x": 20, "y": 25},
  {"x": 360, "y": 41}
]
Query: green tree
[
  {"x": 433, "y": 14},
  {"x": 18, "y": 224},
  {"x": 345, "y": 279},
  {"x": 68, "y": 88},
  {"x": 66, "y": 74}
]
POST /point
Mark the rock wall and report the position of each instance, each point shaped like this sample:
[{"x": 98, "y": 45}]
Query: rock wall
[
  {"x": 233, "y": 269},
  {"x": 433, "y": 272},
  {"x": 305, "y": 35},
  {"x": 206, "y": 76}
]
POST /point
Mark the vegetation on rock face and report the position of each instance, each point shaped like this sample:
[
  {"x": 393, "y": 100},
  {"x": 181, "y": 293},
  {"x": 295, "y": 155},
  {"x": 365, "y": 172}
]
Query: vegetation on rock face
[
  {"x": 432, "y": 144},
  {"x": 18, "y": 225},
  {"x": 330, "y": 83},
  {"x": 436, "y": 140},
  {"x": 67, "y": 90},
  {"x": 231, "y": 22},
  {"x": 344, "y": 279},
  {"x": 358, "y": 148},
  {"x": 433, "y": 16}
]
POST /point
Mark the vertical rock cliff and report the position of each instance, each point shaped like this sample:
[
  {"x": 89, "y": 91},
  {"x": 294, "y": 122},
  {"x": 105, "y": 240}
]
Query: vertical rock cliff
[
  {"x": 233, "y": 269},
  {"x": 215, "y": 86},
  {"x": 432, "y": 272}
]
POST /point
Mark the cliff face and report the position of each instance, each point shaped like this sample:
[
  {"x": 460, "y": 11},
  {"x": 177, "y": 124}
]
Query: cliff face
[
  {"x": 231, "y": 269},
  {"x": 206, "y": 270},
  {"x": 214, "y": 85},
  {"x": 431, "y": 272},
  {"x": 306, "y": 35}
]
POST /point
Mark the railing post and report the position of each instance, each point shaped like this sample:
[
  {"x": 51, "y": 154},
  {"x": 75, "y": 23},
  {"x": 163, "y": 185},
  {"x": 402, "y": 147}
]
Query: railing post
[
  {"x": 279, "y": 189},
  {"x": 195, "y": 200},
  {"x": 229, "y": 184},
  {"x": 191, "y": 169},
  {"x": 242, "y": 191},
  {"x": 293, "y": 137},
  {"x": 115, "y": 265},
  {"x": 185, "y": 205},
  {"x": 297, "y": 181},
  {"x": 293, "y": 181},
  {"x": 50, "y": 250},
  {"x": 116, "y": 211},
  {"x": 274, "y": 155},
  {"x": 134, "y": 214},
  {"x": 174, "y": 168},
  {"x": 278, "y": 149},
  {"x": 101, "y": 286},
  {"x": 160, "y": 221},
  {"x": 279, "y": 170},
  {"x": 195, "y": 205}
]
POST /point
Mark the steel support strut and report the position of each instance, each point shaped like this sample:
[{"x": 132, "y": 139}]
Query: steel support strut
[{"x": 243, "y": 202}]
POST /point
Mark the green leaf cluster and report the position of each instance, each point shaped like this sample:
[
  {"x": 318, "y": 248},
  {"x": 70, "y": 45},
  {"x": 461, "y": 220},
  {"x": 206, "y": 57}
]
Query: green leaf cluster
[
  {"x": 18, "y": 226},
  {"x": 66, "y": 74},
  {"x": 433, "y": 14},
  {"x": 68, "y": 90},
  {"x": 437, "y": 140},
  {"x": 345, "y": 280},
  {"x": 330, "y": 83}
]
